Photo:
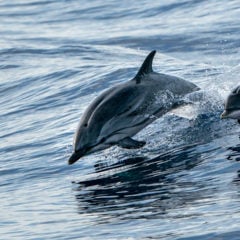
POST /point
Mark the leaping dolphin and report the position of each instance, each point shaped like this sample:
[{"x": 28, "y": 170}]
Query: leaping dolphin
[
  {"x": 123, "y": 110},
  {"x": 232, "y": 105}
]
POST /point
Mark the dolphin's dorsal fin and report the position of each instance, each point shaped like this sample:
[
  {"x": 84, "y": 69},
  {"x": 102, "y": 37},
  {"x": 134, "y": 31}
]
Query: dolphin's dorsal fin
[{"x": 146, "y": 67}]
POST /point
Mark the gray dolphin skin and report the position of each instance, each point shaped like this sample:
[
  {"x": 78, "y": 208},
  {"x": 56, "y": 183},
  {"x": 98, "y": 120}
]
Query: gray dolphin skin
[
  {"x": 123, "y": 110},
  {"x": 232, "y": 105}
]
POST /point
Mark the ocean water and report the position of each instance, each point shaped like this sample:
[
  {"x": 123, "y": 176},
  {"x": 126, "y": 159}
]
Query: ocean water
[{"x": 55, "y": 57}]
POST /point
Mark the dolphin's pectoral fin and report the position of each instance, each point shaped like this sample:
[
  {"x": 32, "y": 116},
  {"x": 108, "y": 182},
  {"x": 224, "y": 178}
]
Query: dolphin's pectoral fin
[{"x": 130, "y": 143}]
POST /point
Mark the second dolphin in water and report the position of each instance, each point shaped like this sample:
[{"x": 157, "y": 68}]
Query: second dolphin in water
[
  {"x": 123, "y": 110},
  {"x": 232, "y": 105}
]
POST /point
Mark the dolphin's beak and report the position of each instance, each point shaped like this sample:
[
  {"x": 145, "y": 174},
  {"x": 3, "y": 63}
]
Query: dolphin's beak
[
  {"x": 197, "y": 88},
  {"x": 75, "y": 156},
  {"x": 224, "y": 114}
]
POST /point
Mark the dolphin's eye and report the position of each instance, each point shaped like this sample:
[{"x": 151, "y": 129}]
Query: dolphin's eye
[
  {"x": 85, "y": 125},
  {"x": 103, "y": 140}
]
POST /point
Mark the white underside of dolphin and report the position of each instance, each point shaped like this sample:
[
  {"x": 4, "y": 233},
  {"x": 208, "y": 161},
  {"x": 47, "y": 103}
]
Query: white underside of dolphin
[{"x": 123, "y": 110}]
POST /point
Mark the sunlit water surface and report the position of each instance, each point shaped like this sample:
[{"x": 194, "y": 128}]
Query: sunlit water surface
[{"x": 55, "y": 57}]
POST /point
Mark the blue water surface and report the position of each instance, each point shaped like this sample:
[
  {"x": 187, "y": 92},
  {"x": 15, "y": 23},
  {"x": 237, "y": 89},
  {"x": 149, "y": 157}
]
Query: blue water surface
[{"x": 55, "y": 57}]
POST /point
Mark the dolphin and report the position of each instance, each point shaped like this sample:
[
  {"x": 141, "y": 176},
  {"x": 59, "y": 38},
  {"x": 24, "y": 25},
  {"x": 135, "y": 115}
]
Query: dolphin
[
  {"x": 123, "y": 110},
  {"x": 232, "y": 105}
]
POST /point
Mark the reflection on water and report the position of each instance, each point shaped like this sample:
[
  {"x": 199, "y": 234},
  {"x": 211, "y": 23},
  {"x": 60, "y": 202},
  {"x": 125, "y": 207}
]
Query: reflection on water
[
  {"x": 234, "y": 155},
  {"x": 141, "y": 187}
]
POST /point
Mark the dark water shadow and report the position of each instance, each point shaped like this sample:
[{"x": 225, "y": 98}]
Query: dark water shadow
[
  {"x": 141, "y": 187},
  {"x": 234, "y": 155}
]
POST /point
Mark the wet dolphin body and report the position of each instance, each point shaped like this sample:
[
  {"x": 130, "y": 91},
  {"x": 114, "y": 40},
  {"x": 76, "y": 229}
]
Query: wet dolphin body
[
  {"x": 232, "y": 105},
  {"x": 125, "y": 109}
]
